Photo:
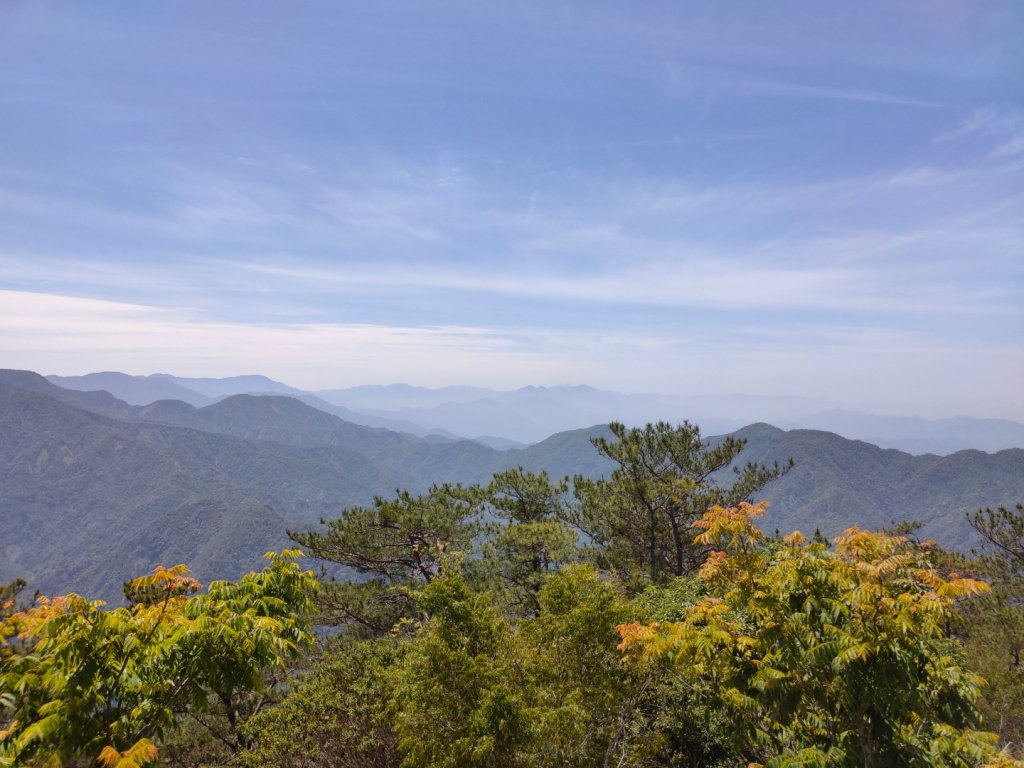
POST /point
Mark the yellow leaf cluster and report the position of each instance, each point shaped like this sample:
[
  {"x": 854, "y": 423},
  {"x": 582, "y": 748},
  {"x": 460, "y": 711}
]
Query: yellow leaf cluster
[
  {"x": 791, "y": 632},
  {"x": 141, "y": 754}
]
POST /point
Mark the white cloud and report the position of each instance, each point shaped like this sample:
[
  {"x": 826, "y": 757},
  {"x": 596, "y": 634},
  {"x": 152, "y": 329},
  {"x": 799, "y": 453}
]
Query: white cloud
[
  {"x": 63, "y": 334},
  {"x": 886, "y": 242},
  {"x": 689, "y": 283},
  {"x": 987, "y": 120},
  {"x": 806, "y": 90},
  {"x": 1001, "y": 125},
  {"x": 869, "y": 368}
]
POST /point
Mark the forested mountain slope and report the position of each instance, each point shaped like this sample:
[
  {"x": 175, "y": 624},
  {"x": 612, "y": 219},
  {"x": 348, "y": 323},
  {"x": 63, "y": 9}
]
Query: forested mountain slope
[
  {"x": 290, "y": 422},
  {"x": 87, "y": 500},
  {"x": 837, "y": 483}
]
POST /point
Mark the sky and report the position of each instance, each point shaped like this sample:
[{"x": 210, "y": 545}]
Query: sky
[{"x": 793, "y": 198}]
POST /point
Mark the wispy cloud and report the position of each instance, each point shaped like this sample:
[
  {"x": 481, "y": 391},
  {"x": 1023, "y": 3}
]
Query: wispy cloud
[
  {"x": 585, "y": 193},
  {"x": 1012, "y": 147},
  {"x": 868, "y": 243},
  {"x": 59, "y": 333},
  {"x": 1001, "y": 126},
  {"x": 836, "y": 93},
  {"x": 705, "y": 283},
  {"x": 988, "y": 120},
  {"x": 868, "y": 368}
]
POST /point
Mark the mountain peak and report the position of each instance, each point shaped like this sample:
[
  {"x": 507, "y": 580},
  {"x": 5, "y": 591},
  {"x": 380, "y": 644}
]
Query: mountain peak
[
  {"x": 759, "y": 429},
  {"x": 25, "y": 380}
]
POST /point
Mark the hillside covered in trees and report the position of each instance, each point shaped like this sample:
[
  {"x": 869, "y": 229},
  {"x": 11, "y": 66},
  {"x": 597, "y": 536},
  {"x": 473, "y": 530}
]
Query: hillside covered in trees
[
  {"x": 87, "y": 475},
  {"x": 644, "y": 621}
]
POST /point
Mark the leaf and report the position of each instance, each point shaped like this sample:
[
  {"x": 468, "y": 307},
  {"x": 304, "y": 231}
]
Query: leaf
[{"x": 41, "y": 730}]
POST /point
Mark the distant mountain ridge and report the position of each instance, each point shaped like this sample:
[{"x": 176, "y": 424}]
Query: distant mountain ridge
[
  {"x": 916, "y": 435},
  {"x": 837, "y": 483},
  {"x": 134, "y": 390},
  {"x": 95, "y": 490},
  {"x": 530, "y": 414},
  {"x": 231, "y": 385}
]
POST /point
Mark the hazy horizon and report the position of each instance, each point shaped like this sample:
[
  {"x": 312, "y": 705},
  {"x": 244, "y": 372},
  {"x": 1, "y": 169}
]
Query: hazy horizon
[
  {"x": 797, "y": 405},
  {"x": 680, "y": 198}
]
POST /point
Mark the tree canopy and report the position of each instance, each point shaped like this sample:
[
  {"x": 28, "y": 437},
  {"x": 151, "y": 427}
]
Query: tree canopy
[
  {"x": 639, "y": 519},
  {"x": 101, "y": 686},
  {"x": 825, "y": 656},
  {"x": 638, "y": 621},
  {"x": 393, "y": 545},
  {"x": 992, "y": 628}
]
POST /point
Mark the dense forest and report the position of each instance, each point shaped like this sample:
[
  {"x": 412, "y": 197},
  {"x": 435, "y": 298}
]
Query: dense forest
[{"x": 639, "y": 618}]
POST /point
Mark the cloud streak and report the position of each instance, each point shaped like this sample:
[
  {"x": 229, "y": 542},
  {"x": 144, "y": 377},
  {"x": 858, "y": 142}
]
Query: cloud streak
[
  {"x": 885, "y": 242},
  {"x": 67, "y": 335},
  {"x": 824, "y": 201}
]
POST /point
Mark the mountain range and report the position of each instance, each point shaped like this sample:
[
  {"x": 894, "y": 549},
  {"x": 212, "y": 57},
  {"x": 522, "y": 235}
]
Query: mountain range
[
  {"x": 510, "y": 419},
  {"x": 96, "y": 490},
  {"x": 88, "y": 478}
]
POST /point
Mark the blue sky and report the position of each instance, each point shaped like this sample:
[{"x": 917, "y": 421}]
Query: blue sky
[{"x": 820, "y": 199}]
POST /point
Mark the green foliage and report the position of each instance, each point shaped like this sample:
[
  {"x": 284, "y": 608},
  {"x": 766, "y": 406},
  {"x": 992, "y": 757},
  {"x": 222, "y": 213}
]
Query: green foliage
[
  {"x": 993, "y": 627},
  {"x": 509, "y": 531},
  {"x": 475, "y": 689},
  {"x": 1003, "y": 532},
  {"x": 825, "y": 657},
  {"x": 456, "y": 695},
  {"x": 639, "y": 518},
  {"x": 396, "y": 544},
  {"x": 520, "y": 496},
  {"x": 531, "y": 542},
  {"x": 9, "y": 594},
  {"x": 577, "y": 688},
  {"x": 663, "y": 724},
  {"x": 476, "y": 638},
  {"x": 334, "y": 717},
  {"x": 104, "y": 685}
]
